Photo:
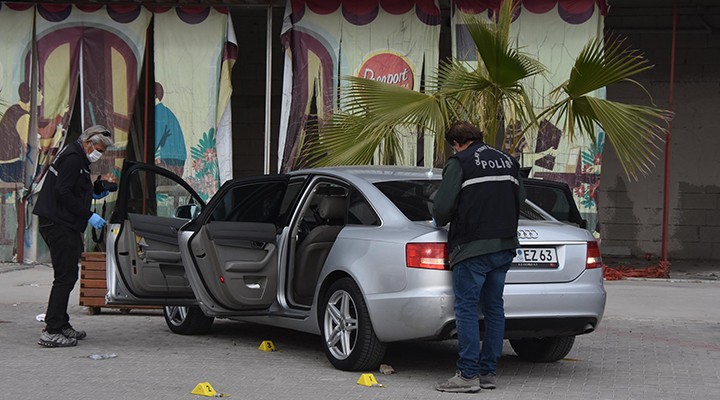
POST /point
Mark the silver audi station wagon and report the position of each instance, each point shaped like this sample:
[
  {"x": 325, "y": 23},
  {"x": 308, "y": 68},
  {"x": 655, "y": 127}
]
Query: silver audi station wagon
[{"x": 347, "y": 253}]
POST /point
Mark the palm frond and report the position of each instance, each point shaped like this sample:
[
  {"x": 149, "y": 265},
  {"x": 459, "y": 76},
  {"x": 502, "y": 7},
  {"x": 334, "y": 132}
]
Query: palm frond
[
  {"x": 602, "y": 63},
  {"x": 454, "y": 77},
  {"x": 392, "y": 105},
  {"x": 633, "y": 130},
  {"x": 347, "y": 139},
  {"x": 505, "y": 65}
]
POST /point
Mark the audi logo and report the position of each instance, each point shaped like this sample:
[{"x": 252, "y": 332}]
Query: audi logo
[{"x": 528, "y": 234}]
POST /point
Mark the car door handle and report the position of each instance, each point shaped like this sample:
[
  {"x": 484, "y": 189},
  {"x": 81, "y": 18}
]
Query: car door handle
[{"x": 257, "y": 245}]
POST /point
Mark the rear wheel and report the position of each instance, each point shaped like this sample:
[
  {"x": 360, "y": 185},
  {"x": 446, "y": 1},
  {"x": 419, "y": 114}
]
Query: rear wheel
[
  {"x": 348, "y": 337},
  {"x": 187, "y": 320},
  {"x": 543, "y": 350}
]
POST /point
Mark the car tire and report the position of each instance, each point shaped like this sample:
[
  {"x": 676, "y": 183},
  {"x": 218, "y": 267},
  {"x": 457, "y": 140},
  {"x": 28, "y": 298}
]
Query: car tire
[
  {"x": 187, "y": 320},
  {"x": 347, "y": 334},
  {"x": 543, "y": 350}
]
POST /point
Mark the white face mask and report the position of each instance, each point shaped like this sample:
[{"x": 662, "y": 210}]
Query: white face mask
[{"x": 94, "y": 156}]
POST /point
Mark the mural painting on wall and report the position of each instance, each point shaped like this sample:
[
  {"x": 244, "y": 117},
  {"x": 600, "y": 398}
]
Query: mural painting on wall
[
  {"x": 99, "y": 49},
  {"x": 169, "y": 140},
  {"x": 388, "y": 41},
  {"x": 553, "y": 32},
  {"x": 187, "y": 75},
  {"x": 15, "y": 90},
  {"x": 15, "y": 103},
  {"x": 110, "y": 41}
]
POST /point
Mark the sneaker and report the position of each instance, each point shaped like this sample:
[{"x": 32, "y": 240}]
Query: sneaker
[
  {"x": 459, "y": 384},
  {"x": 48, "y": 339},
  {"x": 488, "y": 381},
  {"x": 71, "y": 333}
]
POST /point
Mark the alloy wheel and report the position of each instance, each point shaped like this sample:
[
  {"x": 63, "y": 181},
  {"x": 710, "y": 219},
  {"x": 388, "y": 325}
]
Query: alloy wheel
[
  {"x": 341, "y": 325},
  {"x": 176, "y": 315}
]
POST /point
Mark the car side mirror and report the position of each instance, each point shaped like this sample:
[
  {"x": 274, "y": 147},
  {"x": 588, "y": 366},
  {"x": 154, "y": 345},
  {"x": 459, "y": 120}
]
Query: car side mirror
[{"x": 187, "y": 211}]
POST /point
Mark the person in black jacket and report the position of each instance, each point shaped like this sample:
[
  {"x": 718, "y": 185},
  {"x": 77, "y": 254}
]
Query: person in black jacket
[
  {"x": 480, "y": 197},
  {"x": 63, "y": 207}
]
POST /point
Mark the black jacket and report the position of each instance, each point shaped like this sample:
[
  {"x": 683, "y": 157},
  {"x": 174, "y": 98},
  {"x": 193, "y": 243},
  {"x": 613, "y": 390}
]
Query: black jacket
[
  {"x": 66, "y": 195},
  {"x": 488, "y": 205}
]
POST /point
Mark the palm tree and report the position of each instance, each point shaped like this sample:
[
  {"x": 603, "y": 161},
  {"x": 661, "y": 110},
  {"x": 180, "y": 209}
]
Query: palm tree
[{"x": 493, "y": 96}]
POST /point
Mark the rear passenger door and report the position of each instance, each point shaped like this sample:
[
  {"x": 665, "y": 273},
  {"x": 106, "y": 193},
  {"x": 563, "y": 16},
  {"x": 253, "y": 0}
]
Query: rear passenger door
[{"x": 234, "y": 250}]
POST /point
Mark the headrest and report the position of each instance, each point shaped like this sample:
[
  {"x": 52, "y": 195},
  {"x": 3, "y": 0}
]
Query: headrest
[{"x": 332, "y": 207}]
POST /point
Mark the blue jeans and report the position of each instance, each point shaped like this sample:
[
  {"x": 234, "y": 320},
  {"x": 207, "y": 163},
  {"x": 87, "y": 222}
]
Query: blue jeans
[{"x": 480, "y": 280}]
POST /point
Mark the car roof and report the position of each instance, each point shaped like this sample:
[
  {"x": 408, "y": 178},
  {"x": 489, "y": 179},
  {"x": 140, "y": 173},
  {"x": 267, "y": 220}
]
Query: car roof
[{"x": 377, "y": 173}]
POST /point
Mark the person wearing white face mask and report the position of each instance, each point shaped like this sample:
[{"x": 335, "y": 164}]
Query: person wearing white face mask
[{"x": 63, "y": 208}]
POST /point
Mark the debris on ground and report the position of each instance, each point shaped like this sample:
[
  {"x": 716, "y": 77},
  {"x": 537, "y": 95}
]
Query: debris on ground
[
  {"x": 104, "y": 356},
  {"x": 660, "y": 270},
  {"x": 386, "y": 369}
]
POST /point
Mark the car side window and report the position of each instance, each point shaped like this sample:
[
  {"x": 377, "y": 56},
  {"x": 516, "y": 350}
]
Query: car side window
[
  {"x": 289, "y": 200},
  {"x": 360, "y": 212},
  {"x": 153, "y": 194},
  {"x": 255, "y": 202},
  {"x": 322, "y": 191},
  {"x": 413, "y": 198}
]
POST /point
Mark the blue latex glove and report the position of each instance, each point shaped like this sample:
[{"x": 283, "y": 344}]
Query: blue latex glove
[
  {"x": 101, "y": 195},
  {"x": 96, "y": 221}
]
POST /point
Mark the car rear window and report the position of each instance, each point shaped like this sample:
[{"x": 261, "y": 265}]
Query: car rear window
[{"x": 415, "y": 199}]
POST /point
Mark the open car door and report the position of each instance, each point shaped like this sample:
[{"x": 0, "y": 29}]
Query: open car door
[
  {"x": 144, "y": 265},
  {"x": 231, "y": 249}
]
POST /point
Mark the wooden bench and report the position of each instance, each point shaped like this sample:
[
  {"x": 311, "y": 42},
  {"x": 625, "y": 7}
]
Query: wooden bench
[{"x": 93, "y": 285}]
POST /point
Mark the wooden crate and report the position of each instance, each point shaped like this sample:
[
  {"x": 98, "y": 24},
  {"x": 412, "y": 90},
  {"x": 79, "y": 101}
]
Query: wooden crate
[{"x": 93, "y": 285}]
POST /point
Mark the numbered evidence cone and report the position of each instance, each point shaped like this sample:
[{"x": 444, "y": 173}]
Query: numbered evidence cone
[
  {"x": 368, "y": 380},
  {"x": 267, "y": 345},
  {"x": 204, "y": 389}
]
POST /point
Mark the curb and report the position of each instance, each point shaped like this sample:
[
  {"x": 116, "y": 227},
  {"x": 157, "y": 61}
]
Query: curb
[
  {"x": 16, "y": 267},
  {"x": 674, "y": 280}
]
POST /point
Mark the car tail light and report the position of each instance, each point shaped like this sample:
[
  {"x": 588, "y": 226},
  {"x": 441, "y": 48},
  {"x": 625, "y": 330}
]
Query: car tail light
[
  {"x": 427, "y": 255},
  {"x": 594, "y": 259}
]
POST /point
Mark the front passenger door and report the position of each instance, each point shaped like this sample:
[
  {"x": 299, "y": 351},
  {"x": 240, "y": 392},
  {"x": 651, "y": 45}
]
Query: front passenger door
[{"x": 143, "y": 256}]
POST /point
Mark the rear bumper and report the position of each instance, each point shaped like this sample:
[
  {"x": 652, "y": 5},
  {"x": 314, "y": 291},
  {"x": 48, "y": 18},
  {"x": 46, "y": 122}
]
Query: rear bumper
[{"x": 531, "y": 310}]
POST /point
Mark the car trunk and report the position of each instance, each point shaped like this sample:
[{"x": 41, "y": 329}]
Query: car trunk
[
  {"x": 550, "y": 253},
  {"x": 567, "y": 254}
]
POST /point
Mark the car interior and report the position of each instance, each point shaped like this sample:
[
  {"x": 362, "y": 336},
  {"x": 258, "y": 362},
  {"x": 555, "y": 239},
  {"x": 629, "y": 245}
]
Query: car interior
[{"x": 324, "y": 216}]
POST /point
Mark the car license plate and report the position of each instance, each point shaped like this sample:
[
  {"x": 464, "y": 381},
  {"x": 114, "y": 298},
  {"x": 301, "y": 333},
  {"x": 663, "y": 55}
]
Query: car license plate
[{"x": 536, "y": 257}]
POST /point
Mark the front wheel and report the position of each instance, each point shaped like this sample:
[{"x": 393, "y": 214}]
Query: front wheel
[
  {"x": 348, "y": 337},
  {"x": 187, "y": 320},
  {"x": 543, "y": 350}
]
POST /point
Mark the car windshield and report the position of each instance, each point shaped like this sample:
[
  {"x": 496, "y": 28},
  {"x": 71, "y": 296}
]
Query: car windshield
[{"x": 414, "y": 199}]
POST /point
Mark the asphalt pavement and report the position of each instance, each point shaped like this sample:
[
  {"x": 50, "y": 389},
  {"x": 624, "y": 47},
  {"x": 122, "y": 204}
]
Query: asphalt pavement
[{"x": 659, "y": 339}]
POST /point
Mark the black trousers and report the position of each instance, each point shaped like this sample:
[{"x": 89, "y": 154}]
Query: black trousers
[{"x": 66, "y": 247}]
